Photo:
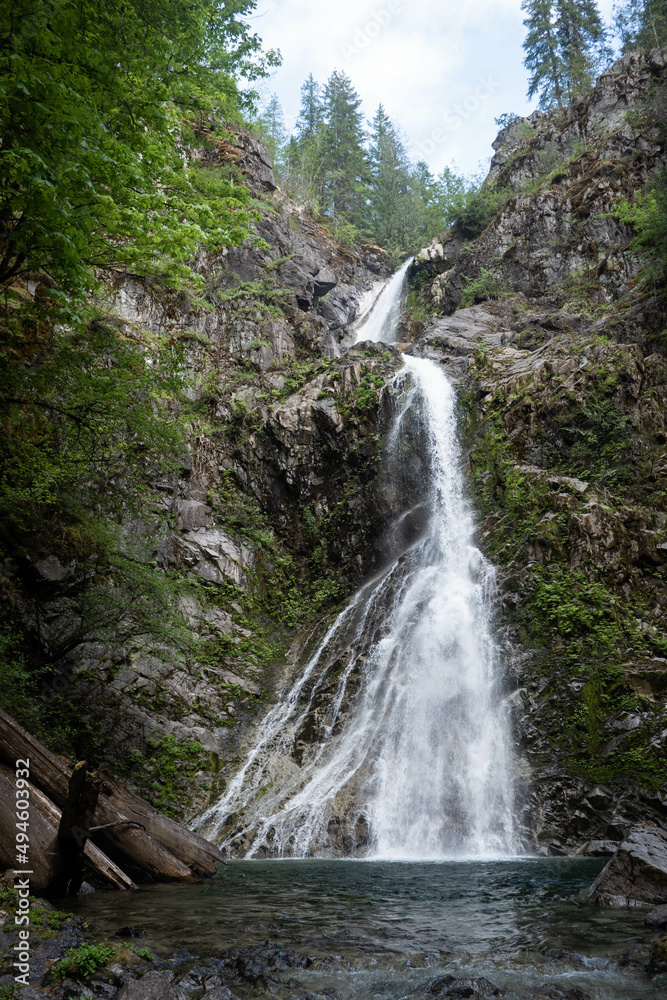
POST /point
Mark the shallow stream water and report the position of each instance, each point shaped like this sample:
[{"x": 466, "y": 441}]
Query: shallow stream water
[{"x": 387, "y": 929}]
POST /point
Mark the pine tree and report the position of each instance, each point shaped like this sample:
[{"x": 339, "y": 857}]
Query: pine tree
[
  {"x": 582, "y": 37},
  {"x": 642, "y": 24},
  {"x": 543, "y": 53},
  {"x": 342, "y": 150},
  {"x": 310, "y": 116},
  {"x": 389, "y": 179},
  {"x": 305, "y": 158},
  {"x": 565, "y": 47},
  {"x": 272, "y": 131}
]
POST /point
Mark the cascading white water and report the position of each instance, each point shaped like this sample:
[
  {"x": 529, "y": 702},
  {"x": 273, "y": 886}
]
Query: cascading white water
[
  {"x": 416, "y": 763},
  {"x": 442, "y": 782},
  {"x": 382, "y": 320}
]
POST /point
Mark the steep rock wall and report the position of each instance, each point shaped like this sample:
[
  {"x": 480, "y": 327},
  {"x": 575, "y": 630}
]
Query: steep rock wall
[
  {"x": 563, "y": 390},
  {"x": 565, "y": 172},
  {"x": 273, "y": 515}
]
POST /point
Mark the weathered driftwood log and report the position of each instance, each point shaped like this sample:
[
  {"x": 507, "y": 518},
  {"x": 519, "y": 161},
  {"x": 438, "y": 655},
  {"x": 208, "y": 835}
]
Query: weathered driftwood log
[
  {"x": 200, "y": 854},
  {"x": 43, "y": 854},
  {"x": 52, "y": 775},
  {"x": 94, "y": 859},
  {"x": 74, "y": 828}
]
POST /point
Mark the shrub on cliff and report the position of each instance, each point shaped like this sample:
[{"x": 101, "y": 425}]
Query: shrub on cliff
[{"x": 648, "y": 215}]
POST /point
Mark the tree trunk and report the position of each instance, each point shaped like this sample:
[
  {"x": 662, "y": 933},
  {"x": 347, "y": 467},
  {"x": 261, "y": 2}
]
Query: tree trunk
[
  {"x": 94, "y": 858},
  {"x": 52, "y": 775},
  {"x": 43, "y": 855},
  {"x": 200, "y": 854}
]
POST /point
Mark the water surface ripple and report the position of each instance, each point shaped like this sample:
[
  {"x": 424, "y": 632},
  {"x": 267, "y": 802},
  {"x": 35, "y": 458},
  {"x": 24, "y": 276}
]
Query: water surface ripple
[{"x": 388, "y": 929}]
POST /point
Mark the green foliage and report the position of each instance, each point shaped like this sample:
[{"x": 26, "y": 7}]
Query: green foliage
[
  {"x": 641, "y": 24},
  {"x": 45, "y": 921},
  {"x": 93, "y": 101},
  {"x": 18, "y": 685},
  {"x": 271, "y": 130},
  {"x": 573, "y": 607},
  {"x": 82, "y": 419},
  {"x": 366, "y": 397},
  {"x": 648, "y": 216},
  {"x": 487, "y": 286},
  {"x": 505, "y": 120},
  {"x": 141, "y": 952},
  {"x": 81, "y": 962},
  {"x": 473, "y": 206},
  {"x": 566, "y": 43},
  {"x": 163, "y": 770},
  {"x": 87, "y": 429},
  {"x": 365, "y": 184}
]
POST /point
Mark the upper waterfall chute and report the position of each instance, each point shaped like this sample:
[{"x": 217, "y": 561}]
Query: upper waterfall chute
[{"x": 381, "y": 322}]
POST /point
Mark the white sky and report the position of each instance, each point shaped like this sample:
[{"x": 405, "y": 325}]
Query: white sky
[{"x": 444, "y": 69}]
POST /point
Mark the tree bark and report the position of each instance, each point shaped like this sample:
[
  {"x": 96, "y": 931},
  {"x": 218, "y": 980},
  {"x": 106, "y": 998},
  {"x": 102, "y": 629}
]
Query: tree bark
[
  {"x": 94, "y": 859},
  {"x": 43, "y": 855},
  {"x": 52, "y": 775},
  {"x": 200, "y": 854}
]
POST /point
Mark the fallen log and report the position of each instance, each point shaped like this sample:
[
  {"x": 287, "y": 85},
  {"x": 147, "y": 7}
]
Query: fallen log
[
  {"x": 52, "y": 775},
  {"x": 43, "y": 859},
  {"x": 200, "y": 854},
  {"x": 74, "y": 828},
  {"x": 94, "y": 859}
]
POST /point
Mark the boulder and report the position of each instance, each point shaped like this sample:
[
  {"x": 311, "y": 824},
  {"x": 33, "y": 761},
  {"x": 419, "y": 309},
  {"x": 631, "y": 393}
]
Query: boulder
[
  {"x": 221, "y": 993},
  {"x": 449, "y": 986},
  {"x": 657, "y": 917},
  {"x": 469, "y": 989},
  {"x": 152, "y": 986},
  {"x": 637, "y": 873}
]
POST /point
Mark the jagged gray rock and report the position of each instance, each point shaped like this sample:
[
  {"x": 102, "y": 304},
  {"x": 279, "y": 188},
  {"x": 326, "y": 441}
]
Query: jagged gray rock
[
  {"x": 637, "y": 873},
  {"x": 152, "y": 986}
]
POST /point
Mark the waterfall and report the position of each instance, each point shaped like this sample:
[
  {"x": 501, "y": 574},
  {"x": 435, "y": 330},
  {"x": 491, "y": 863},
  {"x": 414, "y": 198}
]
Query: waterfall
[
  {"x": 382, "y": 320},
  {"x": 393, "y": 741}
]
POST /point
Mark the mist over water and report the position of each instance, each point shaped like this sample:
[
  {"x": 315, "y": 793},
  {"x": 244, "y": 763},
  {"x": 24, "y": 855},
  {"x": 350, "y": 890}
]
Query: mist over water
[{"x": 412, "y": 760}]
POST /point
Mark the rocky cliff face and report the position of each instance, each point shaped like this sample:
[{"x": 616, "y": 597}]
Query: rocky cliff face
[
  {"x": 278, "y": 512},
  {"x": 564, "y": 174},
  {"x": 563, "y": 389},
  {"x": 275, "y": 513}
]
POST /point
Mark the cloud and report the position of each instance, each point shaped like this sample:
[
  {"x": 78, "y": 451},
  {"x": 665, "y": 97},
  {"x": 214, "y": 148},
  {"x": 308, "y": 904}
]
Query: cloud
[{"x": 444, "y": 69}]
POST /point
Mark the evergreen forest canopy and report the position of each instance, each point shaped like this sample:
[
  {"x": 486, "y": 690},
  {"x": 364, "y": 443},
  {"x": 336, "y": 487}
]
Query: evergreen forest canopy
[{"x": 361, "y": 179}]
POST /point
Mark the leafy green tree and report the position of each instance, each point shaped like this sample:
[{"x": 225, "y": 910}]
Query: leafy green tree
[
  {"x": 87, "y": 429},
  {"x": 469, "y": 205},
  {"x": 99, "y": 104},
  {"x": 642, "y": 23},
  {"x": 93, "y": 99}
]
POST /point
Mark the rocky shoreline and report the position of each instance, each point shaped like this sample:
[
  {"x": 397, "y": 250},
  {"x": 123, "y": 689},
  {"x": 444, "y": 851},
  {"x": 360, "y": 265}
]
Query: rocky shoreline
[
  {"x": 68, "y": 961},
  {"x": 130, "y": 972}
]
